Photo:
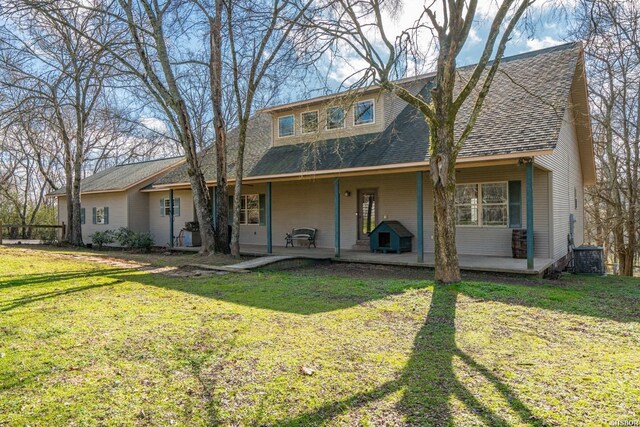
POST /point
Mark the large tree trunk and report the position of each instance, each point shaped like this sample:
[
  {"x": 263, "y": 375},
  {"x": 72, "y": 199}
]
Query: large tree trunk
[
  {"x": 76, "y": 225},
  {"x": 69, "y": 201},
  {"x": 215, "y": 70},
  {"x": 201, "y": 199},
  {"x": 235, "y": 234},
  {"x": 443, "y": 176}
]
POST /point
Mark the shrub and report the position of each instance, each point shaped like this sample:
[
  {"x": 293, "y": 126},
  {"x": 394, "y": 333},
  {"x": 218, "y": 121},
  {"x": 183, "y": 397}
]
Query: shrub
[
  {"x": 101, "y": 238},
  {"x": 124, "y": 237},
  {"x": 132, "y": 240},
  {"x": 142, "y": 241}
]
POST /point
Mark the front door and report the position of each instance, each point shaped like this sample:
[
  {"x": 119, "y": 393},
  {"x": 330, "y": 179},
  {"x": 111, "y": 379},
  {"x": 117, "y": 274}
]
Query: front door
[{"x": 367, "y": 206}]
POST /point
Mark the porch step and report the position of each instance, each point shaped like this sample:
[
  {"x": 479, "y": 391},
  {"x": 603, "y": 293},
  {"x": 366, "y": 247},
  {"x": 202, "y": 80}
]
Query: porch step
[{"x": 361, "y": 245}]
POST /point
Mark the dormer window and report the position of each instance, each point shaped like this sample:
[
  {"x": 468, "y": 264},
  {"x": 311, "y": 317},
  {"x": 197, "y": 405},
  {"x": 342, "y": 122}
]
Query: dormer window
[
  {"x": 364, "y": 113},
  {"x": 309, "y": 122},
  {"x": 285, "y": 126},
  {"x": 335, "y": 118}
]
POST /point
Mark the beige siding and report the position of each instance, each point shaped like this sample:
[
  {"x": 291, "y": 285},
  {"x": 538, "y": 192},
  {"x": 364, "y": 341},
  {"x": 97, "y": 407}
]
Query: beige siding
[
  {"x": 138, "y": 205},
  {"x": 566, "y": 175},
  {"x": 159, "y": 225},
  {"x": 310, "y": 203},
  {"x": 349, "y": 130},
  {"x": 497, "y": 240},
  {"x": 117, "y": 204}
]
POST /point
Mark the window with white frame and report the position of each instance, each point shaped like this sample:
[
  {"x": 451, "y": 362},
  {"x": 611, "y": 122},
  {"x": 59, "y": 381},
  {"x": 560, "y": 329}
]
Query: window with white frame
[
  {"x": 482, "y": 204},
  {"x": 165, "y": 207},
  {"x": 335, "y": 118},
  {"x": 250, "y": 209},
  {"x": 286, "y": 126},
  {"x": 309, "y": 122},
  {"x": 364, "y": 112}
]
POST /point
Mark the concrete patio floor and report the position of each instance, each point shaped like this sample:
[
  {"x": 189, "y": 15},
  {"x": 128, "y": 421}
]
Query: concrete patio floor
[{"x": 467, "y": 262}]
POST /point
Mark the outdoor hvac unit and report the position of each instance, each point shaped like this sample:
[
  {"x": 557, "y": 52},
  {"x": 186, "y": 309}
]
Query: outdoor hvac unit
[
  {"x": 390, "y": 236},
  {"x": 588, "y": 260}
]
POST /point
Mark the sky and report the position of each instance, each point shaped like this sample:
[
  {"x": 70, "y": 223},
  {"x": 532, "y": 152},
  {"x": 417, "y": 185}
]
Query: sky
[{"x": 549, "y": 28}]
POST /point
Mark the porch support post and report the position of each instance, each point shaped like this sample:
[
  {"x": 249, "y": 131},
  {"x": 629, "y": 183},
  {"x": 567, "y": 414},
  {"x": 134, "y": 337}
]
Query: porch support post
[
  {"x": 268, "y": 218},
  {"x": 171, "y": 218},
  {"x": 336, "y": 215},
  {"x": 420, "y": 216},
  {"x": 530, "y": 248}
]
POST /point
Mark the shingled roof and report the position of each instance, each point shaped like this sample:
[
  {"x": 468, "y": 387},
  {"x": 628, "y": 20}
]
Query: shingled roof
[
  {"x": 122, "y": 177},
  {"x": 522, "y": 112}
]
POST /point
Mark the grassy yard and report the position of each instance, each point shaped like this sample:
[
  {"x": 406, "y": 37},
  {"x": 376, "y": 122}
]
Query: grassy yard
[{"x": 89, "y": 343}]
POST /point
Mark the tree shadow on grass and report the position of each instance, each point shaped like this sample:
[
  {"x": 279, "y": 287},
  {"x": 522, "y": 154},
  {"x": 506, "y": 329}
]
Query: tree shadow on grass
[
  {"x": 18, "y": 302},
  {"x": 429, "y": 381},
  {"x": 34, "y": 279},
  {"x": 282, "y": 292}
]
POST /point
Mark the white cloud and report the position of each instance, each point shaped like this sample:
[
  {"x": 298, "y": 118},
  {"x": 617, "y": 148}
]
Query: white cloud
[
  {"x": 154, "y": 124},
  {"x": 547, "y": 41}
]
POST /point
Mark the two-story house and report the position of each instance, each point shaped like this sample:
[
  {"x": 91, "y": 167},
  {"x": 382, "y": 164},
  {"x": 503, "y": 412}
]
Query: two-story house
[{"x": 344, "y": 163}]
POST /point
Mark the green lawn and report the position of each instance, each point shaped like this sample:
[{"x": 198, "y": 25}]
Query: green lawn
[{"x": 85, "y": 343}]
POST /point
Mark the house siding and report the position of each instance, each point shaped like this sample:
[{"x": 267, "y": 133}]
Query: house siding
[
  {"x": 138, "y": 203},
  {"x": 566, "y": 173},
  {"x": 310, "y": 204},
  {"x": 116, "y": 202},
  {"x": 159, "y": 225}
]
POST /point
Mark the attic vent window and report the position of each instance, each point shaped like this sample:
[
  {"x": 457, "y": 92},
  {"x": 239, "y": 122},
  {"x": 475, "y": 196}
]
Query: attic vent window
[
  {"x": 310, "y": 122},
  {"x": 364, "y": 113},
  {"x": 285, "y": 126},
  {"x": 335, "y": 118}
]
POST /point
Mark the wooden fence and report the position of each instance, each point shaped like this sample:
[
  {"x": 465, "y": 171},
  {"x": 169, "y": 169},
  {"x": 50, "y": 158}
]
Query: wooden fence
[{"x": 63, "y": 228}]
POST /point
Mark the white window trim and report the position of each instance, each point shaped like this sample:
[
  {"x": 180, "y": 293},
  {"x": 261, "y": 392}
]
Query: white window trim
[
  {"x": 326, "y": 119},
  {"x": 167, "y": 206},
  {"x": 293, "y": 127},
  {"x": 373, "y": 101},
  {"x": 246, "y": 214},
  {"x": 302, "y": 132},
  {"x": 480, "y": 219}
]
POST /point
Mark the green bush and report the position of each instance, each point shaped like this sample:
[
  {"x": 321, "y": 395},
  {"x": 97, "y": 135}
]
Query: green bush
[
  {"x": 142, "y": 241},
  {"x": 124, "y": 237},
  {"x": 131, "y": 240},
  {"x": 101, "y": 238}
]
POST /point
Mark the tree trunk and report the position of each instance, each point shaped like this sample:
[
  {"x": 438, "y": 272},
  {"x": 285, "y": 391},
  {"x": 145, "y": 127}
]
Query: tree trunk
[
  {"x": 215, "y": 70},
  {"x": 237, "y": 192},
  {"x": 443, "y": 176},
  {"x": 76, "y": 226},
  {"x": 69, "y": 200}
]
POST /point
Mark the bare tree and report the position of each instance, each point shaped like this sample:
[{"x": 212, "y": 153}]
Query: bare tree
[
  {"x": 357, "y": 24},
  {"x": 265, "y": 43},
  {"x": 61, "y": 73},
  {"x": 611, "y": 30}
]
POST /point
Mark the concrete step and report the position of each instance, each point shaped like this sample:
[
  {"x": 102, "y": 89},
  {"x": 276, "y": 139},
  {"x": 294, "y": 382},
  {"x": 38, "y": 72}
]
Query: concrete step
[{"x": 361, "y": 245}]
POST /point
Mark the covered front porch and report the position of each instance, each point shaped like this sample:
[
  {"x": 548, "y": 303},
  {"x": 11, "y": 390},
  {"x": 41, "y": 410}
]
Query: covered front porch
[
  {"x": 494, "y": 264},
  {"x": 337, "y": 206},
  {"x": 483, "y": 263}
]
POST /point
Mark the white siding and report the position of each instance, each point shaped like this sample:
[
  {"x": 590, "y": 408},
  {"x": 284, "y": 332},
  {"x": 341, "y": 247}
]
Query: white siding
[{"x": 566, "y": 172}]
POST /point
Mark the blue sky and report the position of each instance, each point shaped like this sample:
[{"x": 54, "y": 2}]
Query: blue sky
[{"x": 548, "y": 27}]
